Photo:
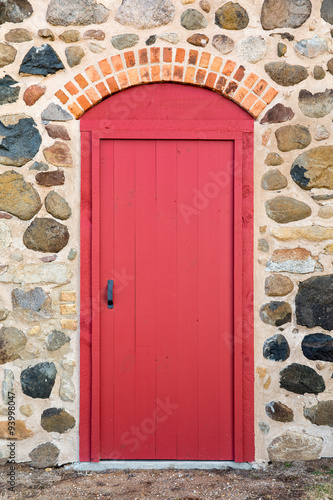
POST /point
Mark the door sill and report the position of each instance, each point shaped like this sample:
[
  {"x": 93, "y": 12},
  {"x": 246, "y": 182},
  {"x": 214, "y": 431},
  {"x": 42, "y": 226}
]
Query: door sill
[{"x": 160, "y": 464}]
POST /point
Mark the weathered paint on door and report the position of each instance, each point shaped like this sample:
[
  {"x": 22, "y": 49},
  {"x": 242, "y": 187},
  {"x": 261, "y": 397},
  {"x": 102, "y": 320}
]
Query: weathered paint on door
[{"x": 167, "y": 345}]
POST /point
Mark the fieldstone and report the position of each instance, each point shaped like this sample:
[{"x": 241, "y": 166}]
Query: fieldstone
[
  {"x": 151, "y": 40},
  {"x": 7, "y": 384},
  {"x": 4, "y": 313},
  {"x": 44, "y": 455},
  {"x": 12, "y": 341},
  {"x": 273, "y": 180},
  {"x": 198, "y": 40},
  {"x": 205, "y": 5},
  {"x": 33, "y": 93},
  {"x": 292, "y": 260},
  {"x": 79, "y": 13},
  {"x": 312, "y": 47},
  {"x": 47, "y": 34},
  {"x": 121, "y": 42},
  {"x": 330, "y": 66},
  {"x": 59, "y": 155},
  {"x": 94, "y": 35},
  {"x": 57, "y": 420},
  {"x": 74, "y": 55},
  {"x": 315, "y": 105},
  {"x": 170, "y": 37},
  {"x": 70, "y": 36},
  {"x": 21, "y": 431},
  {"x": 96, "y": 48},
  {"x": 7, "y": 54},
  {"x": 41, "y": 61},
  {"x": 5, "y": 236},
  {"x": 318, "y": 347},
  {"x": 313, "y": 169},
  {"x": 223, "y": 43},
  {"x": 275, "y": 313},
  {"x": 58, "y": 274},
  {"x": 231, "y": 16},
  {"x": 263, "y": 245},
  {"x": 33, "y": 305},
  {"x": 18, "y": 197},
  {"x": 252, "y": 49},
  {"x": 192, "y": 19},
  {"x": 20, "y": 140},
  {"x": 301, "y": 379},
  {"x": 55, "y": 340},
  {"x": 309, "y": 233},
  {"x": 273, "y": 160},
  {"x": 322, "y": 133},
  {"x": 325, "y": 212},
  {"x": 276, "y": 348},
  {"x": 9, "y": 90},
  {"x": 264, "y": 427},
  {"x": 314, "y": 302},
  {"x": 53, "y": 178},
  {"x": 37, "y": 381},
  {"x": 279, "y": 412},
  {"x": 57, "y": 132},
  {"x": 26, "y": 410},
  {"x": 15, "y": 11},
  {"x": 146, "y": 14},
  {"x": 326, "y": 11},
  {"x": 67, "y": 388},
  {"x": 57, "y": 206},
  {"x": 48, "y": 258},
  {"x": 292, "y": 137},
  {"x": 39, "y": 166},
  {"x": 321, "y": 413},
  {"x": 18, "y": 35},
  {"x": 281, "y": 49},
  {"x": 278, "y": 114},
  {"x": 319, "y": 73},
  {"x": 292, "y": 445},
  {"x": 72, "y": 254},
  {"x": 46, "y": 235},
  {"x": 278, "y": 285},
  {"x": 55, "y": 113},
  {"x": 283, "y": 209},
  {"x": 286, "y": 74},
  {"x": 284, "y": 13}
]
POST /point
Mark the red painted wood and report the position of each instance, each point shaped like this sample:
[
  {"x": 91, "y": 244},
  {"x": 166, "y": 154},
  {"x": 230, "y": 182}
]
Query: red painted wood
[{"x": 215, "y": 123}]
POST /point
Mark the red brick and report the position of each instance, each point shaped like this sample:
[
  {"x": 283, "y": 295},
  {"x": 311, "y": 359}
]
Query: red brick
[
  {"x": 155, "y": 73},
  {"x": 102, "y": 89},
  {"x": 93, "y": 96},
  {"x": 250, "y": 81},
  {"x": 155, "y": 55},
  {"x": 84, "y": 103},
  {"x": 260, "y": 87},
  {"x": 92, "y": 74},
  {"x": 240, "y": 94},
  {"x": 71, "y": 88},
  {"x": 231, "y": 88},
  {"x": 270, "y": 94},
  {"x": 75, "y": 110},
  {"x": 178, "y": 73},
  {"x": 239, "y": 75},
  {"x": 62, "y": 96},
  {"x": 81, "y": 81},
  {"x": 123, "y": 80},
  {"x": 105, "y": 67},
  {"x": 249, "y": 101},
  {"x": 166, "y": 72},
  {"x": 200, "y": 76},
  {"x": 180, "y": 55},
  {"x": 193, "y": 57},
  {"x": 167, "y": 54},
  {"x": 144, "y": 74},
  {"x": 228, "y": 68},
  {"x": 204, "y": 60},
  {"x": 133, "y": 76},
  {"x": 143, "y": 56},
  {"x": 211, "y": 79},
  {"x": 112, "y": 84},
  {"x": 221, "y": 83},
  {"x": 129, "y": 58},
  {"x": 258, "y": 108},
  {"x": 189, "y": 76},
  {"x": 117, "y": 63},
  {"x": 216, "y": 64}
]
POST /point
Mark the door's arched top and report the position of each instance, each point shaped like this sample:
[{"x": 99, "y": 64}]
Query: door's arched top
[{"x": 164, "y": 64}]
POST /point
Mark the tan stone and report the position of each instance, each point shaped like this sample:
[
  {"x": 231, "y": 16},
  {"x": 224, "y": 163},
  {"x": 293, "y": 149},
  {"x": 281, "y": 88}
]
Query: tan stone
[
  {"x": 293, "y": 445},
  {"x": 326, "y": 212},
  {"x": 59, "y": 155},
  {"x": 329, "y": 249},
  {"x": 67, "y": 309},
  {"x": 26, "y": 410},
  {"x": 21, "y": 431},
  {"x": 68, "y": 296},
  {"x": 309, "y": 233},
  {"x": 292, "y": 137},
  {"x": 37, "y": 273},
  {"x": 284, "y": 209},
  {"x": 278, "y": 285},
  {"x": 68, "y": 324},
  {"x": 7, "y": 54},
  {"x": 314, "y": 168},
  {"x": 268, "y": 382},
  {"x": 262, "y": 371}
]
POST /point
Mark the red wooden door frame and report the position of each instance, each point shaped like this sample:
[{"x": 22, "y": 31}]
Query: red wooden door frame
[{"x": 92, "y": 132}]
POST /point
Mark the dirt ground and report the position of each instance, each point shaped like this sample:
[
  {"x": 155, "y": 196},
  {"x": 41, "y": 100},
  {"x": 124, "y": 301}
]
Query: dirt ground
[{"x": 297, "y": 480}]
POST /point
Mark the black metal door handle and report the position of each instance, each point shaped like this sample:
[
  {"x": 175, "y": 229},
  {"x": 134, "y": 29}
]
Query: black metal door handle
[{"x": 110, "y": 294}]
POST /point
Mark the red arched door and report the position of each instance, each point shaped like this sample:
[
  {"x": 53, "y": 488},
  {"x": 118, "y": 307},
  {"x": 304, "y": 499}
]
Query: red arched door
[{"x": 166, "y": 164}]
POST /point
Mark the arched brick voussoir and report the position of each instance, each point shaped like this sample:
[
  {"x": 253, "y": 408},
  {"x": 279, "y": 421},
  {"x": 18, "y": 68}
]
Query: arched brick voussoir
[{"x": 164, "y": 64}]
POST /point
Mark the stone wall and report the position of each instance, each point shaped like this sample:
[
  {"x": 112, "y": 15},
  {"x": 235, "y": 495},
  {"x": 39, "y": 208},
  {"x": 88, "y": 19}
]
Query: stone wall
[{"x": 59, "y": 58}]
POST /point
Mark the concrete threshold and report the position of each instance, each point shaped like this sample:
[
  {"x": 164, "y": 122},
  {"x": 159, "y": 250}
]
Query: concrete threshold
[{"x": 105, "y": 465}]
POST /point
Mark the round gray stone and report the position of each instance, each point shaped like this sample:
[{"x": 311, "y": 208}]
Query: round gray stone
[
  {"x": 74, "y": 55},
  {"x": 284, "y": 13},
  {"x": 223, "y": 43},
  {"x": 231, "y": 16},
  {"x": 78, "y": 13},
  {"x": 44, "y": 455},
  {"x": 192, "y": 19},
  {"x": 286, "y": 74},
  {"x": 145, "y": 14},
  {"x": 121, "y": 42}
]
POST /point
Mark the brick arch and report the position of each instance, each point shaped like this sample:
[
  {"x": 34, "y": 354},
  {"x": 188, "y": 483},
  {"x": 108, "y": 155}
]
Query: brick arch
[{"x": 163, "y": 64}]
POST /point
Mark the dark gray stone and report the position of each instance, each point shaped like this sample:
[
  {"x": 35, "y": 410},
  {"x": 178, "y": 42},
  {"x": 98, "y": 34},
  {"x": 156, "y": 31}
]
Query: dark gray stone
[
  {"x": 55, "y": 113},
  {"x": 315, "y": 105},
  {"x": 284, "y": 13},
  {"x": 314, "y": 302},
  {"x": 12, "y": 341},
  {"x": 276, "y": 348},
  {"x": 55, "y": 340},
  {"x": 33, "y": 305},
  {"x": 145, "y": 14},
  {"x": 9, "y": 90},
  {"x": 301, "y": 379},
  {"x": 41, "y": 61},
  {"x": 151, "y": 40},
  {"x": 231, "y": 16},
  {"x": 57, "y": 420},
  {"x": 37, "y": 381},
  {"x": 276, "y": 313},
  {"x": 44, "y": 455},
  {"x": 320, "y": 414},
  {"x": 20, "y": 140},
  {"x": 46, "y": 235},
  {"x": 14, "y": 11},
  {"x": 192, "y": 19},
  {"x": 326, "y": 11},
  {"x": 286, "y": 74},
  {"x": 278, "y": 114},
  {"x": 121, "y": 42},
  {"x": 319, "y": 73},
  {"x": 78, "y": 13},
  {"x": 279, "y": 412},
  {"x": 318, "y": 347}
]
